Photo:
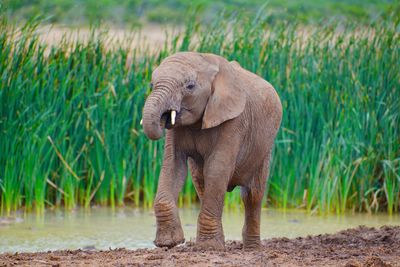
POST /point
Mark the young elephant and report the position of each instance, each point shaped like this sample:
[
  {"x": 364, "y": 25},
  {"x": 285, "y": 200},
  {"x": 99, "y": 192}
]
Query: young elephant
[{"x": 222, "y": 121}]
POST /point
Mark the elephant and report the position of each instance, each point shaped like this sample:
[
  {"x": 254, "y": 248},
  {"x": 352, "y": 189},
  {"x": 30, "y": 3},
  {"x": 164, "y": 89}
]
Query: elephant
[{"x": 221, "y": 121}]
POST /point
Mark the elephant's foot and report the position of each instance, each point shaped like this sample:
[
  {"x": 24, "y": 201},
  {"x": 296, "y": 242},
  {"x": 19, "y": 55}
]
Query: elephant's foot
[
  {"x": 210, "y": 244},
  {"x": 251, "y": 243},
  {"x": 210, "y": 235},
  {"x": 169, "y": 236},
  {"x": 251, "y": 238},
  {"x": 169, "y": 229}
]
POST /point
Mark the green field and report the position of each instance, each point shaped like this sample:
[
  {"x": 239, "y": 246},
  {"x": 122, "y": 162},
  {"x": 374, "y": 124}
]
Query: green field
[{"x": 69, "y": 115}]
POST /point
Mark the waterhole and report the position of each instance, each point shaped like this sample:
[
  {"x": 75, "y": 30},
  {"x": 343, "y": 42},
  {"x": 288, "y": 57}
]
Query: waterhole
[{"x": 105, "y": 228}]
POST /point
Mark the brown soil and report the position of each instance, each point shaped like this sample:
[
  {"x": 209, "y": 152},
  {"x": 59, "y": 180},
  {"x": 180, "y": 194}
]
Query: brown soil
[{"x": 362, "y": 246}]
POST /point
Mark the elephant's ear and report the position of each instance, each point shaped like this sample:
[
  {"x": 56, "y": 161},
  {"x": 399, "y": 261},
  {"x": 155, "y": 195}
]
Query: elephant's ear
[{"x": 227, "y": 99}]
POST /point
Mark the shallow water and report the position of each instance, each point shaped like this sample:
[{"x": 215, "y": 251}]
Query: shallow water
[{"x": 103, "y": 228}]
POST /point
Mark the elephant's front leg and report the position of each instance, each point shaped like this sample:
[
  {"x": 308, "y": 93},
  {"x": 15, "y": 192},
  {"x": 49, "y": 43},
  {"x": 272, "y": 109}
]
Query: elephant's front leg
[
  {"x": 218, "y": 170},
  {"x": 172, "y": 178}
]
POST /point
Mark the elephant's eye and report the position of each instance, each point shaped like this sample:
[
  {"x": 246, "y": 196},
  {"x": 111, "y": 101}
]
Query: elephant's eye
[
  {"x": 151, "y": 85},
  {"x": 190, "y": 85}
]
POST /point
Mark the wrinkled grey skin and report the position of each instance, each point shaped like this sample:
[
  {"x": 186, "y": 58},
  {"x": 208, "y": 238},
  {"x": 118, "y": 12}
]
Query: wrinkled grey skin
[{"x": 226, "y": 123}]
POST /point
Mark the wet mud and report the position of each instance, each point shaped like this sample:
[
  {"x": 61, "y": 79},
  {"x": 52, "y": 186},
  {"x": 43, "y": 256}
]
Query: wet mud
[{"x": 362, "y": 246}]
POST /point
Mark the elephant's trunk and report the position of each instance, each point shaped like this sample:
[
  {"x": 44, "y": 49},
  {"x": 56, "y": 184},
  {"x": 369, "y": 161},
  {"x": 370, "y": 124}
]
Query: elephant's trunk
[{"x": 157, "y": 113}]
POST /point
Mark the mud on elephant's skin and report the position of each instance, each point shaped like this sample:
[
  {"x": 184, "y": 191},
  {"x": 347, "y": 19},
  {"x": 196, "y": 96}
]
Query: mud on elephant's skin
[{"x": 221, "y": 121}]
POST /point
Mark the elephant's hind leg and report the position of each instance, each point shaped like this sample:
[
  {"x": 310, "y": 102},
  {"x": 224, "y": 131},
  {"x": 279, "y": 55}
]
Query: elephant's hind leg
[
  {"x": 252, "y": 198},
  {"x": 196, "y": 169}
]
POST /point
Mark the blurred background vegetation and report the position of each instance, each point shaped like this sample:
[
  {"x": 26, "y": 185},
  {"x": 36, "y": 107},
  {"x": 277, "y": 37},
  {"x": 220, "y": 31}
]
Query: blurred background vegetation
[
  {"x": 70, "y": 109},
  {"x": 136, "y": 12}
]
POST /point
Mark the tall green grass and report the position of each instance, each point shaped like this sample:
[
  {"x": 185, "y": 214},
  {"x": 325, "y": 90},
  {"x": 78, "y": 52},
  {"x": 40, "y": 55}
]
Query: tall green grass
[{"x": 69, "y": 116}]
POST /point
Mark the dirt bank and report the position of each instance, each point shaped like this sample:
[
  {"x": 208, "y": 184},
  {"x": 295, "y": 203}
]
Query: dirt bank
[{"x": 354, "y": 247}]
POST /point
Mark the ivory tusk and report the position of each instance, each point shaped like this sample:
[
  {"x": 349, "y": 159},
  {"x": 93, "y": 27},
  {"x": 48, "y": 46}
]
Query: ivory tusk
[
  {"x": 141, "y": 122},
  {"x": 173, "y": 116}
]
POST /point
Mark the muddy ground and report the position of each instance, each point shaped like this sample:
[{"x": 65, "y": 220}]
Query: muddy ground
[{"x": 362, "y": 246}]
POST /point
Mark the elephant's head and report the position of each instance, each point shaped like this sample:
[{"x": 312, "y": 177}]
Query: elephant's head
[{"x": 189, "y": 87}]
